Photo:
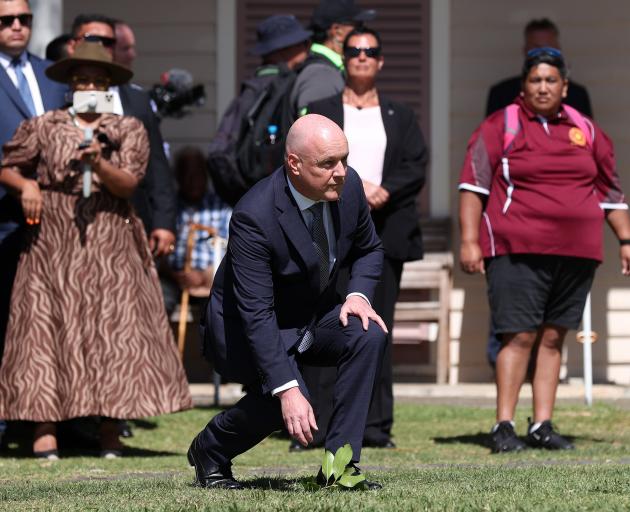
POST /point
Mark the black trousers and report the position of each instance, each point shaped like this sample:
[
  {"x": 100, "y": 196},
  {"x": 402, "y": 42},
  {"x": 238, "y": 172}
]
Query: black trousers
[
  {"x": 357, "y": 355},
  {"x": 321, "y": 381},
  {"x": 10, "y": 249}
]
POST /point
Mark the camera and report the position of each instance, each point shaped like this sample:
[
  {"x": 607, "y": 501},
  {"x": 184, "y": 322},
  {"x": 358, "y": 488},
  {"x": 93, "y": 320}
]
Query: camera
[{"x": 176, "y": 93}]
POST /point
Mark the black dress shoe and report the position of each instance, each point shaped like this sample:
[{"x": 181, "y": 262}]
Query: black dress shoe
[
  {"x": 384, "y": 442},
  {"x": 371, "y": 486},
  {"x": 125, "y": 429},
  {"x": 210, "y": 477}
]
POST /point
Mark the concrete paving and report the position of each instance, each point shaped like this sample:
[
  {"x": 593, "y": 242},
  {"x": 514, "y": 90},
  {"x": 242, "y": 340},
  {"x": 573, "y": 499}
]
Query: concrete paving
[{"x": 480, "y": 395}]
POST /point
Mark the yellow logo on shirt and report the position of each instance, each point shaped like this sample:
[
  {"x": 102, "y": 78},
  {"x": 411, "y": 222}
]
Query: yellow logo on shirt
[{"x": 577, "y": 137}]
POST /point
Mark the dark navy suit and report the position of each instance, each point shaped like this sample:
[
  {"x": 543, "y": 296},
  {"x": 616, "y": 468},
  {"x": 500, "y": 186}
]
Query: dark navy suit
[
  {"x": 267, "y": 293},
  {"x": 14, "y": 111}
]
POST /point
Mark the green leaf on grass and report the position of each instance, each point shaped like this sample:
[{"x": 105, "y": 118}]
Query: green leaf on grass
[
  {"x": 342, "y": 459},
  {"x": 327, "y": 464},
  {"x": 349, "y": 480},
  {"x": 310, "y": 484}
]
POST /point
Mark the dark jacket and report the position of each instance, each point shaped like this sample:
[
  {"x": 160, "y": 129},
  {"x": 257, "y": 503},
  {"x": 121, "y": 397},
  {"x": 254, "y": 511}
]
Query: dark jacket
[
  {"x": 13, "y": 112},
  {"x": 267, "y": 287},
  {"x": 397, "y": 223},
  {"x": 154, "y": 199},
  {"x": 503, "y": 93}
]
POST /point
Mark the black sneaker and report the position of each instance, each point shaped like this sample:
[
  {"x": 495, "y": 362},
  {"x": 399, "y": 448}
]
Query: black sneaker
[
  {"x": 504, "y": 438},
  {"x": 546, "y": 437}
]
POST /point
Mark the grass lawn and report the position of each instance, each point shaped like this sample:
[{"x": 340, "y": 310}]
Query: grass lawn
[{"x": 441, "y": 464}]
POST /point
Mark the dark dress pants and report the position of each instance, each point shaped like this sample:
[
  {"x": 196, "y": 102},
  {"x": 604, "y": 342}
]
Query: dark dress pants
[
  {"x": 321, "y": 381},
  {"x": 10, "y": 248},
  {"x": 381, "y": 413},
  {"x": 355, "y": 353}
]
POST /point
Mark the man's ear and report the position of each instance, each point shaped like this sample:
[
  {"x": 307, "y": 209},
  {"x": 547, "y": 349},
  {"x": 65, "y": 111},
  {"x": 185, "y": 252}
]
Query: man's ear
[
  {"x": 381, "y": 62},
  {"x": 294, "y": 164},
  {"x": 70, "y": 46}
]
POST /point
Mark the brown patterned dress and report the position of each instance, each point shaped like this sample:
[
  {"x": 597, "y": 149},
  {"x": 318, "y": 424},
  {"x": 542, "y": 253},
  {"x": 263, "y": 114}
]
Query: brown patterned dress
[{"x": 88, "y": 333}]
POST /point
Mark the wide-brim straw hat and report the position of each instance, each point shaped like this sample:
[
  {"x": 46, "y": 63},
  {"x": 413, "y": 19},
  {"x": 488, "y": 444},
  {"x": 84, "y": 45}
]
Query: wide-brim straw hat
[{"x": 92, "y": 54}]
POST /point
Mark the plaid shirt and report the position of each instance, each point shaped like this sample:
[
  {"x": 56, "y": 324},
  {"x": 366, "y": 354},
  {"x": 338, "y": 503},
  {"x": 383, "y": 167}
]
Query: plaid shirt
[{"x": 213, "y": 213}]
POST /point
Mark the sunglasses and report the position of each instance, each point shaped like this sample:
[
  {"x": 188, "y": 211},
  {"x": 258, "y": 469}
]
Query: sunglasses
[
  {"x": 24, "y": 19},
  {"x": 546, "y": 50},
  {"x": 84, "y": 80},
  {"x": 371, "y": 53},
  {"x": 107, "y": 42}
]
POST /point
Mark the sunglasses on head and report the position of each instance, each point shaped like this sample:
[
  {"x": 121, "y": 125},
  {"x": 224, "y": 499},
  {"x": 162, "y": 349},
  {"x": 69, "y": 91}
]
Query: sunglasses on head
[
  {"x": 372, "y": 53},
  {"x": 107, "y": 42},
  {"x": 24, "y": 19},
  {"x": 545, "y": 50}
]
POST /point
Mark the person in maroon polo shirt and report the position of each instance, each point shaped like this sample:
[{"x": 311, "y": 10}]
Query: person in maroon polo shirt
[{"x": 530, "y": 220}]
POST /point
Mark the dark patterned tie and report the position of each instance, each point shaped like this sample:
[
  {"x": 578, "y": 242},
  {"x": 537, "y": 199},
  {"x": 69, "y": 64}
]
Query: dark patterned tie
[{"x": 320, "y": 242}]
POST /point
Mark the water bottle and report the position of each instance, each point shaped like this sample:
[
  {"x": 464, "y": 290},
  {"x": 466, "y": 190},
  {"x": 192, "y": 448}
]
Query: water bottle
[{"x": 272, "y": 132}]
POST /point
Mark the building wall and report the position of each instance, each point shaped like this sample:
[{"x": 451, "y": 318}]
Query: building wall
[
  {"x": 169, "y": 35},
  {"x": 486, "y": 46}
]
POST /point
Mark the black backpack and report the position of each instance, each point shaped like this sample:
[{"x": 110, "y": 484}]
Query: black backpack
[{"x": 243, "y": 151}]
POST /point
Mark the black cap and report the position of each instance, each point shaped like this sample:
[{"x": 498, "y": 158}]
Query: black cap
[
  {"x": 277, "y": 32},
  {"x": 339, "y": 11}
]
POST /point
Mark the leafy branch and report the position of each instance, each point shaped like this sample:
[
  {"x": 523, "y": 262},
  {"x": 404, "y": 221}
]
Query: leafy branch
[{"x": 338, "y": 472}]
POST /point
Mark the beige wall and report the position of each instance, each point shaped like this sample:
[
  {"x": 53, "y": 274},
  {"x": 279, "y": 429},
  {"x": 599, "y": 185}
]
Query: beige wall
[
  {"x": 169, "y": 34},
  {"x": 486, "y": 41}
]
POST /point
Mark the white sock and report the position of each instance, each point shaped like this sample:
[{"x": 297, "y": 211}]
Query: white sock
[
  {"x": 496, "y": 426},
  {"x": 535, "y": 426}
]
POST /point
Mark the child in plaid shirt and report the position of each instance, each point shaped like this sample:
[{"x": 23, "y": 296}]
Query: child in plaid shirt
[{"x": 196, "y": 204}]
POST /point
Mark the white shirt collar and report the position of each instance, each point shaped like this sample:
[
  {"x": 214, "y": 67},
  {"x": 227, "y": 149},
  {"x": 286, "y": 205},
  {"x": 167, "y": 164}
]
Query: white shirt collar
[
  {"x": 7, "y": 59},
  {"x": 303, "y": 202}
]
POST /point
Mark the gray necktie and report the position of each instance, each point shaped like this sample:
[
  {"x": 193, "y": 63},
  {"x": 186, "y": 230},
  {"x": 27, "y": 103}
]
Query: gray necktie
[
  {"x": 320, "y": 242},
  {"x": 22, "y": 86}
]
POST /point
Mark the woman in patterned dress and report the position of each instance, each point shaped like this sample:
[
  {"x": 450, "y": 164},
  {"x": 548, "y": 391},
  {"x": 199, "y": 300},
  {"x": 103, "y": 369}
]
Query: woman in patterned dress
[{"x": 87, "y": 334}]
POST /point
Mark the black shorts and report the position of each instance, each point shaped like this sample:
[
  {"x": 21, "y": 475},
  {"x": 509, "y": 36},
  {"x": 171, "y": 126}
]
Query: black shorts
[{"x": 526, "y": 291}]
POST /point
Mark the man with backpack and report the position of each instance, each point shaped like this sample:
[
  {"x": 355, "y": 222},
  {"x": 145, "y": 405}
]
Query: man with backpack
[
  {"x": 322, "y": 74},
  {"x": 249, "y": 143}
]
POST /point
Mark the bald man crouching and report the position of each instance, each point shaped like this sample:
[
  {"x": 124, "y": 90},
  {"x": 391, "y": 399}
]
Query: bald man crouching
[{"x": 274, "y": 305}]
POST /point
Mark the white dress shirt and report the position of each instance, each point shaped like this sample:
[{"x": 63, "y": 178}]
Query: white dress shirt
[{"x": 29, "y": 74}]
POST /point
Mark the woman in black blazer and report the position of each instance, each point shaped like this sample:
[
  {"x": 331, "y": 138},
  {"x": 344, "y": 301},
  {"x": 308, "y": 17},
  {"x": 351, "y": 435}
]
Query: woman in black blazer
[{"x": 388, "y": 151}]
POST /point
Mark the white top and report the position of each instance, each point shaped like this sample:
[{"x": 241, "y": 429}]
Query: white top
[
  {"x": 367, "y": 141},
  {"x": 29, "y": 74}
]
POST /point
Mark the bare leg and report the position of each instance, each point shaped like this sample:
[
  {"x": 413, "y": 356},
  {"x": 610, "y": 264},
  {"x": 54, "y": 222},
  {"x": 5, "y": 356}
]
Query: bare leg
[
  {"x": 44, "y": 437},
  {"x": 511, "y": 371},
  {"x": 547, "y": 372}
]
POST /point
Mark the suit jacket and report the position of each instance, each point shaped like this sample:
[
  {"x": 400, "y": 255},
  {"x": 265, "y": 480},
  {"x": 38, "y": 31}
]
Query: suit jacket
[
  {"x": 14, "y": 111},
  {"x": 503, "y": 94},
  {"x": 266, "y": 291},
  {"x": 397, "y": 223},
  {"x": 154, "y": 199}
]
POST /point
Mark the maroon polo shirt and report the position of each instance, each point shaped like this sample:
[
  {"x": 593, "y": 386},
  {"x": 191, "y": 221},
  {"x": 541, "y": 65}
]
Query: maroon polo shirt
[{"x": 548, "y": 192}]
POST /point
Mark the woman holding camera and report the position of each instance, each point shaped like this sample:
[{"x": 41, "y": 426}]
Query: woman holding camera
[{"x": 87, "y": 334}]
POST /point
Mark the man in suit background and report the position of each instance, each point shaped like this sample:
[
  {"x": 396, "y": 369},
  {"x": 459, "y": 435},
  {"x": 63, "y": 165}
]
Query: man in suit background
[
  {"x": 538, "y": 34},
  {"x": 154, "y": 199},
  {"x": 274, "y": 304},
  {"x": 25, "y": 91}
]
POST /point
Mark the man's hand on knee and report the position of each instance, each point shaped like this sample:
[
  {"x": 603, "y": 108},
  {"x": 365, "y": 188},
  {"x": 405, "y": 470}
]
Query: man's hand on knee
[
  {"x": 357, "y": 306},
  {"x": 297, "y": 414}
]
